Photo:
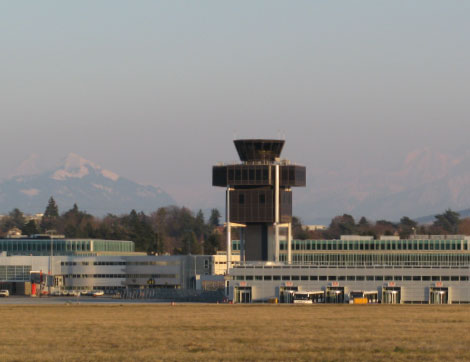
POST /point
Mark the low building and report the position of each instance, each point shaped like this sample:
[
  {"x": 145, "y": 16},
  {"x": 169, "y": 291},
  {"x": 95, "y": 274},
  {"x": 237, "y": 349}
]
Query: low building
[
  {"x": 394, "y": 270},
  {"x": 313, "y": 227},
  {"x": 15, "y": 233},
  {"x": 111, "y": 273}
]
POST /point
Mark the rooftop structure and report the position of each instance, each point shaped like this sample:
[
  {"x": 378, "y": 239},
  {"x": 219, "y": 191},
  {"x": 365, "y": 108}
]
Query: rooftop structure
[{"x": 259, "y": 149}]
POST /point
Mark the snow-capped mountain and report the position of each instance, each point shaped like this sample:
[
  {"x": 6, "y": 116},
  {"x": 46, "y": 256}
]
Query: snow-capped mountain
[
  {"x": 428, "y": 182},
  {"x": 77, "y": 180}
]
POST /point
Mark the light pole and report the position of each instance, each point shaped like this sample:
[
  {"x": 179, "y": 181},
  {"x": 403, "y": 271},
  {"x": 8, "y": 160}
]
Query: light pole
[{"x": 51, "y": 237}]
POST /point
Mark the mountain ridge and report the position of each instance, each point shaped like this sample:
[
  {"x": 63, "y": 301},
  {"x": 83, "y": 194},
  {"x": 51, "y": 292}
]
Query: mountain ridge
[
  {"x": 428, "y": 182},
  {"x": 77, "y": 180}
]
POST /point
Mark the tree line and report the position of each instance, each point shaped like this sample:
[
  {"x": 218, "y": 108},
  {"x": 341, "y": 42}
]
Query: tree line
[
  {"x": 177, "y": 230},
  {"x": 174, "y": 230},
  {"x": 447, "y": 223}
]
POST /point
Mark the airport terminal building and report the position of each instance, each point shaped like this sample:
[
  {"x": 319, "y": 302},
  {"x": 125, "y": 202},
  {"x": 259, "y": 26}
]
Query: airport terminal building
[
  {"x": 420, "y": 270},
  {"x": 265, "y": 264},
  {"x": 92, "y": 264},
  {"x": 390, "y": 270},
  {"x": 424, "y": 269}
]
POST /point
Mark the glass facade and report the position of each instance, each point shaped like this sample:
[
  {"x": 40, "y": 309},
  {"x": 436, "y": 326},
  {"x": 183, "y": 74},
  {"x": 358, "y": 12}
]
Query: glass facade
[
  {"x": 358, "y": 253},
  {"x": 257, "y": 175},
  {"x": 15, "y": 272},
  {"x": 352, "y": 277},
  {"x": 405, "y": 252},
  {"x": 383, "y": 259},
  {"x": 113, "y": 245},
  {"x": 63, "y": 246},
  {"x": 351, "y": 245}
]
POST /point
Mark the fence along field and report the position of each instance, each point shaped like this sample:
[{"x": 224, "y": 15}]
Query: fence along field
[{"x": 234, "y": 332}]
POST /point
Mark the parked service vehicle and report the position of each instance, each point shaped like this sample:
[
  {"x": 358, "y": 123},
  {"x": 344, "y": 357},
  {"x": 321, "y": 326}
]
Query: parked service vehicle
[
  {"x": 308, "y": 297},
  {"x": 97, "y": 293},
  {"x": 363, "y": 297},
  {"x": 73, "y": 293},
  {"x": 4, "y": 293}
]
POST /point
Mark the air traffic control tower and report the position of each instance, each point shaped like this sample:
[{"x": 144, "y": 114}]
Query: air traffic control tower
[{"x": 259, "y": 198}]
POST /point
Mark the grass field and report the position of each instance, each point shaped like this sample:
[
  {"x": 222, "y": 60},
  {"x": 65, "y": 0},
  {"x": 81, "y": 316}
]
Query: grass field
[{"x": 234, "y": 332}]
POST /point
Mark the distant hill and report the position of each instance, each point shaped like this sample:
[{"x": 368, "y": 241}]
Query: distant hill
[
  {"x": 77, "y": 180},
  {"x": 427, "y": 182}
]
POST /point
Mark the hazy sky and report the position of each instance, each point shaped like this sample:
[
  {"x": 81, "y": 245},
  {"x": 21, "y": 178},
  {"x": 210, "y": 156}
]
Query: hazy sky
[{"x": 156, "y": 91}]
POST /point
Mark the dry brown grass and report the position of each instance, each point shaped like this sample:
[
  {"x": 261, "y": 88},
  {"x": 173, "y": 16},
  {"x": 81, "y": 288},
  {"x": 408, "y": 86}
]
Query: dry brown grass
[{"x": 234, "y": 332}]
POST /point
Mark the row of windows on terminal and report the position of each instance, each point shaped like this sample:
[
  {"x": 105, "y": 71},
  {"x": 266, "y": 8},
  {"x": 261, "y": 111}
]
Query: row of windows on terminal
[{"x": 358, "y": 278}]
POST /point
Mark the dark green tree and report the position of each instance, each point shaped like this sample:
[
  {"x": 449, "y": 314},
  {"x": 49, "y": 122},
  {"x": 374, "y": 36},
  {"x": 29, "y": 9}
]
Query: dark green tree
[
  {"x": 73, "y": 223},
  {"x": 140, "y": 231},
  {"x": 190, "y": 244},
  {"x": 407, "y": 227},
  {"x": 52, "y": 209},
  {"x": 200, "y": 227},
  {"x": 30, "y": 228},
  {"x": 51, "y": 215},
  {"x": 364, "y": 227},
  {"x": 448, "y": 221},
  {"x": 405, "y": 221},
  {"x": 385, "y": 227},
  {"x": 200, "y": 217},
  {"x": 341, "y": 225},
  {"x": 214, "y": 219},
  {"x": 159, "y": 244},
  {"x": 89, "y": 231},
  {"x": 298, "y": 231},
  {"x": 152, "y": 244},
  {"x": 363, "y": 222},
  {"x": 212, "y": 243},
  {"x": 17, "y": 218}
]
